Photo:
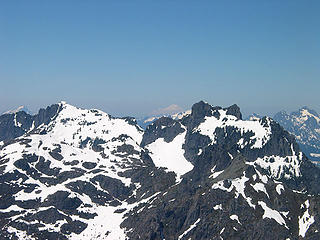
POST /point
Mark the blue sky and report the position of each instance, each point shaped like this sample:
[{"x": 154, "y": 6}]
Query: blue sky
[{"x": 133, "y": 57}]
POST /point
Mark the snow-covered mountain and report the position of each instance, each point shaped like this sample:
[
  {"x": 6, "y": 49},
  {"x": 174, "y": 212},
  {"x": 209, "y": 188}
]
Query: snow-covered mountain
[
  {"x": 18, "y": 109},
  {"x": 74, "y": 173},
  {"x": 74, "y": 176},
  {"x": 254, "y": 116},
  {"x": 144, "y": 122},
  {"x": 304, "y": 124}
]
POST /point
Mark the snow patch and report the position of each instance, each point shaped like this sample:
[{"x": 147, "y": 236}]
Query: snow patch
[
  {"x": 260, "y": 187},
  {"x": 306, "y": 220},
  {"x": 16, "y": 123},
  {"x": 189, "y": 229},
  {"x": 272, "y": 214},
  {"x": 315, "y": 154},
  {"x": 218, "y": 207},
  {"x": 215, "y": 174},
  {"x": 279, "y": 188},
  {"x": 239, "y": 185},
  {"x": 235, "y": 217},
  {"x": 170, "y": 155}
]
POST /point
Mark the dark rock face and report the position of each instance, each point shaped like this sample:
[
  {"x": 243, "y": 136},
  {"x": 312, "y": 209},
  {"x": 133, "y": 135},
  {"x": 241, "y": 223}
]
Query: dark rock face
[
  {"x": 55, "y": 153},
  {"x": 8, "y": 129},
  {"x": 73, "y": 227},
  {"x": 249, "y": 179},
  {"x": 90, "y": 190},
  {"x": 16, "y": 124},
  {"x": 89, "y": 165},
  {"x": 62, "y": 201},
  {"x": 44, "y": 116},
  {"x": 235, "y": 111},
  {"x": 113, "y": 186},
  {"x": 165, "y": 128}
]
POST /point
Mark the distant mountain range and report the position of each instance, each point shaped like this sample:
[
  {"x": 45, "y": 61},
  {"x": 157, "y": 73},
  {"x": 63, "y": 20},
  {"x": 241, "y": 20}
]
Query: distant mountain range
[
  {"x": 71, "y": 173},
  {"x": 18, "y": 109},
  {"x": 304, "y": 124},
  {"x": 144, "y": 122}
]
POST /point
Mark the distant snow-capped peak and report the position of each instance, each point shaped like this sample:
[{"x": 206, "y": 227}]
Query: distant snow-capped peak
[
  {"x": 306, "y": 113},
  {"x": 254, "y": 116},
  {"x": 18, "y": 109}
]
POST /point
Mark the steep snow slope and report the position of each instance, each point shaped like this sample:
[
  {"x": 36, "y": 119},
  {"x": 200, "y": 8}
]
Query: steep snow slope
[{"x": 170, "y": 155}]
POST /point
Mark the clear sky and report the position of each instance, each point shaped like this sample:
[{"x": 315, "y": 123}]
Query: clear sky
[{"x": 133, "y": 57}]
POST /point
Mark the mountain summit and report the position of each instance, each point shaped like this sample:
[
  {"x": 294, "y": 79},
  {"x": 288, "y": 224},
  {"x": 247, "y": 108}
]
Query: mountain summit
[{"x": 70, "y": 173}]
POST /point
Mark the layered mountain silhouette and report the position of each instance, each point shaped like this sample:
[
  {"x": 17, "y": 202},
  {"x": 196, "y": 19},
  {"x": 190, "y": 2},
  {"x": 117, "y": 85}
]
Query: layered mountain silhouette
[
  {"x": 304, "y": 124},
  {"x": 71, "y": 173}
]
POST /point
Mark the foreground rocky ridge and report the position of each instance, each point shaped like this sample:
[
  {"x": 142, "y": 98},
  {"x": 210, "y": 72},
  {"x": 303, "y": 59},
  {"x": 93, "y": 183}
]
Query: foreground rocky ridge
[{"x": 82, "y": 174}]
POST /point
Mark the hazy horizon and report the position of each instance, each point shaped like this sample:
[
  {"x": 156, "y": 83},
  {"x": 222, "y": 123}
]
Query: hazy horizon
[
  {"x": 134, "y": 58},
  {"x": 165, "y": 110}
]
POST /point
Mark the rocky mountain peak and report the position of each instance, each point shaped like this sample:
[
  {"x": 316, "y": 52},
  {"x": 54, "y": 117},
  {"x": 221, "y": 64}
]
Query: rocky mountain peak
[
  {"x": 308, "y": 109},
  {"x": 307, "y": 113},
  {"x": 202, "y": 109},
  {"x": 235, "y": 111}
]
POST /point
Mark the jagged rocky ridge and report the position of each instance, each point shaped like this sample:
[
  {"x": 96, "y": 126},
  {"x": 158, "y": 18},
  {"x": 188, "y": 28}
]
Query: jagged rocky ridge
[
  {"x": 82, "y": 174},
  {"x": 304, "y": 124}
]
